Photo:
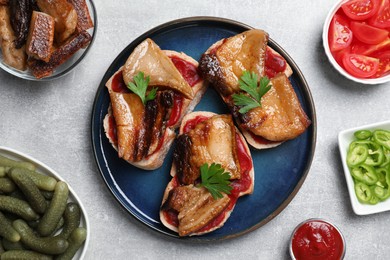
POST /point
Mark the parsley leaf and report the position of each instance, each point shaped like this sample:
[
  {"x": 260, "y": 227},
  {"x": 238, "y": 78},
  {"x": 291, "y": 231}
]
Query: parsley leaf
[
  {"x": 256, "y": 90},
  {"x": 140, "y": 87},
  {"x": 215, "y": 180}
]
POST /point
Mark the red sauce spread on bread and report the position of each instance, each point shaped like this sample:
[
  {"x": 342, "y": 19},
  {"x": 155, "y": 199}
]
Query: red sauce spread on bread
[
  {"x": 112, "y": 130},
  {"x": 239, "y": 185},
  {"x": 188, "y": 70},
  {"x": 176, "y": 110},
  {"x": 193, "y": 122},
  {"x": 274, "y": 63},
  {"x": 317, "y": 239},
  {"x": 190, "y": 73},
  {"x": 118, "y": 84},
  {"x": 261, "y": 140}
]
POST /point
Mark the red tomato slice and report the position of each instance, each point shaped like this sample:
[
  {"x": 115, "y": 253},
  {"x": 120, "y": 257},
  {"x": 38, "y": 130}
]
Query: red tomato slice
[
  {"x": 338, "y": 55},
  {"x": 339, "y": 36},
  {"x": 382, "y": 18},
  {"x": 384, "y": 65},
  {"x": 360, "y": 66},
  {"x": 367, "y": 33},
  {"x": 357, "y": 47},
  {"x": 360, "y": 9}
]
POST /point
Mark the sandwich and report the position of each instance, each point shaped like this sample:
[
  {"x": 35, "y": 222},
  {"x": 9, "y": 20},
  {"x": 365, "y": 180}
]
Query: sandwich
[
  {"x": 207, "y": 143},
  {"x": 252, "y": 79},
  {"x": 149, "y": 96}
]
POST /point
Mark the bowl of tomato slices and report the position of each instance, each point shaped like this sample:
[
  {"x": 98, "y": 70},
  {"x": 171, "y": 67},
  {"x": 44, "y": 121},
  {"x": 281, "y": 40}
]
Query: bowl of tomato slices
[{"x": 356, "y": 39}]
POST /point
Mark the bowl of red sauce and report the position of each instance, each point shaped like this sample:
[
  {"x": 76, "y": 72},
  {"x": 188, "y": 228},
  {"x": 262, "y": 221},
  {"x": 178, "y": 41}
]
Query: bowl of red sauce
[
  {"x": 317, "y": 239},
  {"x": 356, "y": 39}
]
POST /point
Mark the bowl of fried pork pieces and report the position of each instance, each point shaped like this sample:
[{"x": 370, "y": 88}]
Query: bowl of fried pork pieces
[{"x": 45, "y": 39}]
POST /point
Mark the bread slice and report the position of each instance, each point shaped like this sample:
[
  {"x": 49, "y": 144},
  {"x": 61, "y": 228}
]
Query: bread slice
[
  {"x": 248, "y": 136},
  {"x": 173, "y": 183},
  {"x": 155, "y": 160}
]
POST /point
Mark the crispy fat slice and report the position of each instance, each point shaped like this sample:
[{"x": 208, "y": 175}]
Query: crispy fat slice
[
  {"x": 64, "y": 14},
  {"x": 148, "y": 58},
  {"x": 21, "y": 11},
  {"x": 224, "y": 66},
  {"x": 128, "y": 112},
  {"x": 196, "y": 207},
  {"x": 13, "y": 57},
  {"x": 41, "y": 35},
  {"x": 211, "y": 141},
  {"x": 42, "y": 69},
  {"x": 281, "y": 116},
  {"x": 84, "y": 21}
]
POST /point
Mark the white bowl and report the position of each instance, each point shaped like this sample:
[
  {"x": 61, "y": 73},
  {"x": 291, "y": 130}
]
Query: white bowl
[
  {"x": 345, "y": 138},
  {"x": 332, "y": 60},
  {"x": 44, "y": 169}
]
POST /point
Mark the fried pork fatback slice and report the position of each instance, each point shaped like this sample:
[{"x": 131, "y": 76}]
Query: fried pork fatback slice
[
  {"x": 196, "y": 207},
  {"x": 148, "y": 58},
  {"x": 280, "y": 117},
  {"x": 12, "y": 56},
  {"x": 84, "y": 21},
  {"x": 41, "y": 69},
  {"x": 64, "y": 14},
  {"x": 21, "y": 11},
  {"x": 223, "y": 65},
  {"x": 140, "y": 128},
  {"x": 139, "y": 132},
  {"x": 40, "y": 37},
  {"x": 211, "y": 141}
]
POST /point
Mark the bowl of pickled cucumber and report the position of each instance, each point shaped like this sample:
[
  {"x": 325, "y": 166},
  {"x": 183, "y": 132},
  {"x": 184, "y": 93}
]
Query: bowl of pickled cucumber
[
  {"x": 41, "y": 216},
  {"x": 365, "y": 155}
]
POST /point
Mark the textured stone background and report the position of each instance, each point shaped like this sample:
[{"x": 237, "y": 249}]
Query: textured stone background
[{"x": 51, "y": 122}]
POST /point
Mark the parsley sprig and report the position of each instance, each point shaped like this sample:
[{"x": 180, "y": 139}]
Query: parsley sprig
[
  {"x": 215, "y": 180},
  {"x": 140, "y": 87},
  {"x": 256, "y": 90}
]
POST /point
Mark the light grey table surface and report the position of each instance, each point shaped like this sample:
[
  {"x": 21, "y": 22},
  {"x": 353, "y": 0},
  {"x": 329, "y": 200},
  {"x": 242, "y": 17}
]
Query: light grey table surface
[{"x": 51, "y": 122}]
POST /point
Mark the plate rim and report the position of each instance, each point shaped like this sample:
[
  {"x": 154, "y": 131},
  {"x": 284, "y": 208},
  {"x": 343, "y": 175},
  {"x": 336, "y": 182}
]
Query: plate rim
[{"x": 306, "y": 93}]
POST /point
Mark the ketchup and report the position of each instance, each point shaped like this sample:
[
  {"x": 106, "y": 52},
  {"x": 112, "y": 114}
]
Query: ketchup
[
  {"x": 317, "y": 239},
  {"x": 187, "y": 70},
  {"x": 191, "y": 75},
  {"x": 112, "y": 129},
  {"x": 118, "y": 84},
  {"x": 192, "y": 123},
  {"x": 261, "y": 140},
  {"x": 273, "y": 63}
]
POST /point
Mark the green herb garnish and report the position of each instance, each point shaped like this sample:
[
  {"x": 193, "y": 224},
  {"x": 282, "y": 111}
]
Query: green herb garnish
[
  {"x": 140, "y": 87},
  {"x": 215, "y": 180},
  {"x": 249, "y": 83}
]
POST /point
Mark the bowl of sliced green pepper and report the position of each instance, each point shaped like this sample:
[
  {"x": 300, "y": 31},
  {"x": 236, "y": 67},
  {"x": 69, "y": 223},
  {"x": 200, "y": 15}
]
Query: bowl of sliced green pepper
[{"x": 365, "y": 154}]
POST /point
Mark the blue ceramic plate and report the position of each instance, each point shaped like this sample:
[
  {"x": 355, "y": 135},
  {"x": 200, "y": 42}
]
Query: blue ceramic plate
[{"x": 279, "y": 172}]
